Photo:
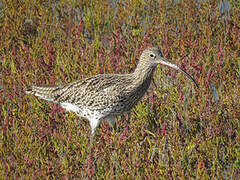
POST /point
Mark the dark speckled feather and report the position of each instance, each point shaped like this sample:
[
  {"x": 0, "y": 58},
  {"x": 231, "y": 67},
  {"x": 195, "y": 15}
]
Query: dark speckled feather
[{"x": 105, "y": 95}]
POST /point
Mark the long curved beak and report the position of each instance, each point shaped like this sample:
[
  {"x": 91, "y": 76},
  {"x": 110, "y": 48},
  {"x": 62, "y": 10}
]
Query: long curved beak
[{"x": 165, "y": 62}]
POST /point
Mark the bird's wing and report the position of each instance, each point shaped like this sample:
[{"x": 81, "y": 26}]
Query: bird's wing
[{"x": 89, "y": 90}]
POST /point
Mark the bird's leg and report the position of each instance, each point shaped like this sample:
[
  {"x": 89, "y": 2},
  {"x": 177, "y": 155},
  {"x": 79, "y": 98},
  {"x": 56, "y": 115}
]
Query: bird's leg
[
  {"x": 111, "y": 121},
  {"x": 94, "y": 123}
]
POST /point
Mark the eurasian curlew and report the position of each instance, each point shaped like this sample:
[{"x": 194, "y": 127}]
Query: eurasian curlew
[{"x": 106, "y": 96}]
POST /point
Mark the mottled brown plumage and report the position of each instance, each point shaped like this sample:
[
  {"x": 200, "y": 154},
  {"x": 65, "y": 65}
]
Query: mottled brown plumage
[{"x": 105, "y": 95}]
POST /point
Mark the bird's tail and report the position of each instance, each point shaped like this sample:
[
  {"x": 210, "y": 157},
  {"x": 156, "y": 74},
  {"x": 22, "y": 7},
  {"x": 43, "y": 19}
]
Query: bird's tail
[{"x": 45, "y": 92}]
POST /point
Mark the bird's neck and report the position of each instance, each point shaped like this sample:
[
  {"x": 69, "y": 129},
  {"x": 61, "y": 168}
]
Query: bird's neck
[{"x": 143, "y": 76}]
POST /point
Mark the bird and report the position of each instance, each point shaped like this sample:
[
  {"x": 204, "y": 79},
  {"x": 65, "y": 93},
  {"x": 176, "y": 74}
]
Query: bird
[{"x": 106, "y": 96}]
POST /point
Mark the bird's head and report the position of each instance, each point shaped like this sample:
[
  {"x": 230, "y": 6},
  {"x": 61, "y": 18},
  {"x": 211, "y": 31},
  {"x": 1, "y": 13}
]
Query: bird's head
[{"x": 151, "y": 57}]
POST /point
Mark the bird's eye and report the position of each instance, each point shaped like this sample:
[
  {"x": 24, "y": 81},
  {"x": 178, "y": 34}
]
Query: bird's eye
[{"x": 152, "y": 55}]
